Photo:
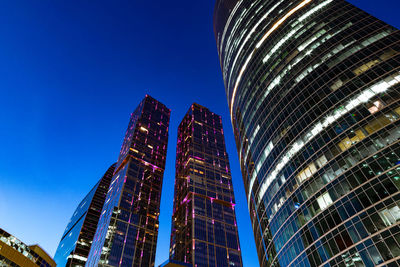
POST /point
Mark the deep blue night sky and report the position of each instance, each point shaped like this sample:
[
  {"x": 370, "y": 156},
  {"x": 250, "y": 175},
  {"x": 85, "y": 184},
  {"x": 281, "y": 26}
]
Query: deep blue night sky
[{"x": 71, "y": 72}]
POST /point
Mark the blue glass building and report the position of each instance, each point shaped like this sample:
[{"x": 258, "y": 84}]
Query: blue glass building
[
  {"x": 204, "y": 229},
  {"x": 313, "y": 88},
  {"x": 76, "y": 241},
  {"x": 127, "y": 231}
]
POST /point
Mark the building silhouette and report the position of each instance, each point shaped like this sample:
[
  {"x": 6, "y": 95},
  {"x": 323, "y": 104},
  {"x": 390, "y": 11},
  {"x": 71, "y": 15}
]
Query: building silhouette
[
  {"x": 77, "y": 238},
  {"x": 313, "y": 92},
  {"x": 127, "y": 231},
  {"x": 204, "y": 230}
]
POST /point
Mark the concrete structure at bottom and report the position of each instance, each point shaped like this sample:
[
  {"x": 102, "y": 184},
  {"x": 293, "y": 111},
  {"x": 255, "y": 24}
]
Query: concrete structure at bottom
[{"x": 14, "y": 252}]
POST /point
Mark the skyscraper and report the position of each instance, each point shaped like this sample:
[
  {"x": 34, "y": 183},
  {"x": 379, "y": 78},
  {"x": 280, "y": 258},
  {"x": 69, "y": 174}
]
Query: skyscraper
[
  {"x": 313, "y": 91},
  {"x": 75, "y": 243},
  {"x": 204, "y": 230},
  {"x": 127, "y": 231}
]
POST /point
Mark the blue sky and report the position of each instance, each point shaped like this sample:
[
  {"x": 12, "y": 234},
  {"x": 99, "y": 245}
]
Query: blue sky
[{"x": 71, "y": 72}]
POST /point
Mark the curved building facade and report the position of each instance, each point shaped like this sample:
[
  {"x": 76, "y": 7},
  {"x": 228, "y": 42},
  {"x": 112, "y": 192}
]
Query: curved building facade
[
  {"x": 313, "y": 88},
  {"x": 77, "y": 238}
]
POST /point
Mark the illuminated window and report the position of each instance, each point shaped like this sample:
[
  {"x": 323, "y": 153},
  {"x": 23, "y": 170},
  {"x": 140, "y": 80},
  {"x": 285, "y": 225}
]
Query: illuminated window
[
  {"x": 312, "y": 39},
  {"x": 134, "y": 150},
  {"x": 388, "y": 54},
  {"x": 321, "y": 161},
  {"x": 307, "y": 172},
  {"x": 397, "y": 110},
  {"x": 347, "y": 142},
  {"x": 337, "y": 84},
  {"x": 143, "y": 129},
  {"x": 365, "y": 67},
  {"x": 324, "y": 201},
  {"x": 378, "y": 123},
  {"x": 375, "y": 107},
  {"x": 390, "y": 215}
]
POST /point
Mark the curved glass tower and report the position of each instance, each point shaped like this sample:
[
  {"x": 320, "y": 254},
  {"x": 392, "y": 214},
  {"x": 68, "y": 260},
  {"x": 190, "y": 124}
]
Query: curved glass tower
[
  {"x": 313, "y": 88},
  {"x": 77, "y": 238}
]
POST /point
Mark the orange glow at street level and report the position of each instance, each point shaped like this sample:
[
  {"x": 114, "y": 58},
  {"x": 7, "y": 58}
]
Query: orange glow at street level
[{"x": 269, "y": 32}]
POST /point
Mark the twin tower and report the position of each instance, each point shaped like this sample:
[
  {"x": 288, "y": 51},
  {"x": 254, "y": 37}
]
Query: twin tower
[{"x": 117, "y": 223}]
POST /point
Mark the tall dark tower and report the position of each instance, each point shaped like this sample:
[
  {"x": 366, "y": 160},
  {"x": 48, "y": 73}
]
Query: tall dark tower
[
  {"x": 204, "y": 230},
  {"x": 313, "y": 88},
  {"x": 127, "y": 231},
  {"x": 75, "y": 243}
]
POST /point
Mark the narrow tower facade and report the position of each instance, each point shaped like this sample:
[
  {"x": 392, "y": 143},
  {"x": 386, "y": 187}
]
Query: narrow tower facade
[
  {"x": 204, "y": 230},
  {"x": 75, "y": 243},
  {"x": 127, "y": 231},
  {"x": 313, "y": 88}
]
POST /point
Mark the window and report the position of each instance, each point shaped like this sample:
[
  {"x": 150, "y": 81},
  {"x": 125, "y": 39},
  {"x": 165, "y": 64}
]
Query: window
[
  {"x": 347, "y": 142},
  {"x": 375, "y": 107},
  {"x": 378, "y": 124},
  {"x": 390, "y": 215},
  {"x": 307, "y": 172},
  {"x": 337, "y": 84},
  {"x": 321, "y": 161},
  {"x": 366, "y": 67},
  {"x": 324, "y": 201}
]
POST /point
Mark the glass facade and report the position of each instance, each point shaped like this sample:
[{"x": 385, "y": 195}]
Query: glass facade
[
  {"x": 128, "y": 227},
  {"x": 204, "y": 230},
  {"x": 75, "y": 243},
  {"x": 15, "y": 253},
  {"x": 313, "y": 88}
]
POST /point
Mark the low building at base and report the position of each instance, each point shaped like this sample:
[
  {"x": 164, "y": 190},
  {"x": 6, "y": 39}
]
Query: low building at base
[{"x": 14, "y": 252}]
